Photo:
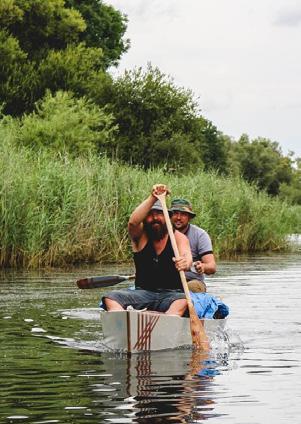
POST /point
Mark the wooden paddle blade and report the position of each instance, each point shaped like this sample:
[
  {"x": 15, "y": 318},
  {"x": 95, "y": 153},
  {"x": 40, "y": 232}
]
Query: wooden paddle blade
[
  {"x": 104, "y": 281},
  {"x": 198, "y": 333}
]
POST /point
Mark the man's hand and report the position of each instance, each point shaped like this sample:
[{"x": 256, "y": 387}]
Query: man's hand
[
  {"x": 200, "y": 267},
  {"x": 160, "y": 189},
  {"x": 182, "y": 263}
]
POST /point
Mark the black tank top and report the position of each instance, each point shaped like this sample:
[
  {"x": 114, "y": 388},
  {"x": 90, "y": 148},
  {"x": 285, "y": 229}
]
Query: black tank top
[{"x": 156, "y": 272}]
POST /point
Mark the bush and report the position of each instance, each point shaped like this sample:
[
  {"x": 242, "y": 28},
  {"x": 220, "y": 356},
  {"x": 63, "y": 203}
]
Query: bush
[{"x": 65, "y": 124}]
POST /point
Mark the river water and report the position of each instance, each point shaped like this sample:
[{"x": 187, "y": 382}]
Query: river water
[{"x": 55, "y": 369}]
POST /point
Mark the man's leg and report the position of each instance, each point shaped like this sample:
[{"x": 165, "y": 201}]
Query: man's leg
[
  {"x": 112, "y": 305},
  {"x": 119, "y": 300},
  {"x": 178, "y": 307}
]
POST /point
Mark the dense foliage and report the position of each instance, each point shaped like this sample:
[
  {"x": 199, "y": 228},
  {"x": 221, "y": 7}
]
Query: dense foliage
[
  {"x": 105, "y": 28},
  {"x": 65, "y": 124},
  {"x": 261, "y": 161},
  {"x": 47, "y": 45},
  {"x": 160, "y": 124}
]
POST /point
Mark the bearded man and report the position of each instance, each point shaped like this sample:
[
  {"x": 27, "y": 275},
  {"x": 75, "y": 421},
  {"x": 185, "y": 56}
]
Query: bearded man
[{"x": 158, "y": 285}]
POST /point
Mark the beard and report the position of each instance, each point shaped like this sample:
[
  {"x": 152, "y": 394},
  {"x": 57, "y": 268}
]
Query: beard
[{"x": 155, "y": 231}]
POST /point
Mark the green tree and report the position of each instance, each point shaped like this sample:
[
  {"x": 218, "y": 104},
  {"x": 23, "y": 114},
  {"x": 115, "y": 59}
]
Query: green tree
[
  {"x": 40, "y": 26},
  {"x": 66, "y": 125},
  {"x": 105, "y": 29},
  {"x": 41, "y": 48},
  {"x": 292, "y": 192},
  {"x": 76, "y": 68},
  {"x": 15, "y": 72},
  {"x": 213, "y": 148},
  {"x": 159, "y": 123},
  {"x": 261, "y": 161}
]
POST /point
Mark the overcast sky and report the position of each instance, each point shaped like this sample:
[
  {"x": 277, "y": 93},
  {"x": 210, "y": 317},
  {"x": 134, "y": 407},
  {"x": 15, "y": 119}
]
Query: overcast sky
[{"x": 241, "y": 58}]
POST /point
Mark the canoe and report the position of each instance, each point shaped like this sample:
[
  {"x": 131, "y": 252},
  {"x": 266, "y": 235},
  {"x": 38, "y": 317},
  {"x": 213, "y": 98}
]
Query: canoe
[{"x": 136, "y": 331}]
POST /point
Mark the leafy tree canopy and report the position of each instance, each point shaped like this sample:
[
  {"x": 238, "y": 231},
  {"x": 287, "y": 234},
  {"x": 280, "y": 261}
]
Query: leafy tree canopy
[
  {"x": 43, "y": 45},
  {"x": 41, "y": 25},
  {"x": 291, "y": 191},
  {"x": 159, "y": 123},
  {"x": 105, "y": 28},
  {"x": 213, "y": 147},
  {"x": 65, "y": 124},
  {"x": 261, "y": 161}
]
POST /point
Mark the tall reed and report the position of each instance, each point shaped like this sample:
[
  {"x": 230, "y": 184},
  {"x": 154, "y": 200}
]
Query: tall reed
[{"x": 57, "y": 210}]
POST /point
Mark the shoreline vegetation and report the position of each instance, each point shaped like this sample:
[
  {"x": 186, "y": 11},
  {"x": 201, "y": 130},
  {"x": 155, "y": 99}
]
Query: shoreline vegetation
[
  {"x": 65, "y": 120},
  {"x": 57, "y": 210}
]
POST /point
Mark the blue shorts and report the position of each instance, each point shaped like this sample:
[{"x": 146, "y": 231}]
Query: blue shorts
[{"x": 139, "y": 299}]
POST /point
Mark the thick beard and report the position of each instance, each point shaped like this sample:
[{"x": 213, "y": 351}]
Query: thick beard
[{"x": 154, "y": 233}]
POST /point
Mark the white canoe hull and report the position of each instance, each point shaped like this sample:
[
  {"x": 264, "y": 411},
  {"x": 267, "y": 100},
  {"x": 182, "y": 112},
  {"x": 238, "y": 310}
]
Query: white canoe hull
[{"x": 135, "y": 331}]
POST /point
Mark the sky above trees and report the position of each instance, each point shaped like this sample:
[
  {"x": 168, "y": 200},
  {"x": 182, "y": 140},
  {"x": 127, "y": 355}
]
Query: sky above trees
[{"x": 241, "y": 58}]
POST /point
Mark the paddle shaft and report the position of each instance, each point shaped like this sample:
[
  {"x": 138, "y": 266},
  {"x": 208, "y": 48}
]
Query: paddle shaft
[
  {"x": 103, "y": 281},
  {"x": 170, "y": 230},
  {"x": 198, "y": 334}
]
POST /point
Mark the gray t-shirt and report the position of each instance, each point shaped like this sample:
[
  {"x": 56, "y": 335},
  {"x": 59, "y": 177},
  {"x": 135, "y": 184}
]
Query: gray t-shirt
[{"x": 200, "y": 245}]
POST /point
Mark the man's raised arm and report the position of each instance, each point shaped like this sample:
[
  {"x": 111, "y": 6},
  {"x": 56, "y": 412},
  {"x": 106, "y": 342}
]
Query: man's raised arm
[{"x": 135, "y": 224}]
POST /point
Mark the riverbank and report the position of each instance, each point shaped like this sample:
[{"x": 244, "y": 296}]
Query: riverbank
[{"x": 56, "y": 210}]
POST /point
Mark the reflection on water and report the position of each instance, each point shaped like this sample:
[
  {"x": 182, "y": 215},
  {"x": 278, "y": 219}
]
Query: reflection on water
[
  {"x": 54, "y": 367},
  {"x": 160, "y": 387}
]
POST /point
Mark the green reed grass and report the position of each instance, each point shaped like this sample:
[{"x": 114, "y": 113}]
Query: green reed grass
[{"x": 57, "y": 210}]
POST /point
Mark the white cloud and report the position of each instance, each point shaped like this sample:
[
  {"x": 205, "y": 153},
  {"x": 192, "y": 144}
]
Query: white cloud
[
  {"x": 146, "y": 10},
  {"x": 289, "y": 15}
]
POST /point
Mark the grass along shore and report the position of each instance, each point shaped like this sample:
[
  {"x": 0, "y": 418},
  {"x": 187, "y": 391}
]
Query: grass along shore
[{"x": 57, "y": 211}]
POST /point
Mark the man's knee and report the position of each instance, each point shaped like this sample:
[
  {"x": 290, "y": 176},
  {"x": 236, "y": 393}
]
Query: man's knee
[
  {"x": 178, "y": 307},
  {"x": 112, "y": 305}
]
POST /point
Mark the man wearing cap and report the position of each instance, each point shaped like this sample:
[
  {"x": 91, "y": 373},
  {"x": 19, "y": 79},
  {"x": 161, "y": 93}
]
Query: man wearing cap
[
  {"x": 158, "y": 285},
  {"x": 200, "y": 243}
]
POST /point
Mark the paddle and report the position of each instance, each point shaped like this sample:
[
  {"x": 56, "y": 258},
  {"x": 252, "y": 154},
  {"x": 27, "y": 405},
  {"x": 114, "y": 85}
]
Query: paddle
[
  {"x": 198, "y": 334},
  {"x": 105, "y": 281}
]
